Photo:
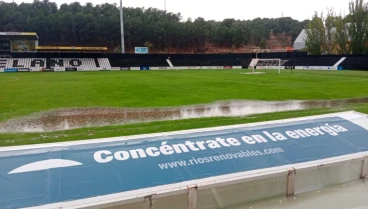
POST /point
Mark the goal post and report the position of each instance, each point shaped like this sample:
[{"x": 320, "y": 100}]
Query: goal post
[{"x": 267, "y": 64}]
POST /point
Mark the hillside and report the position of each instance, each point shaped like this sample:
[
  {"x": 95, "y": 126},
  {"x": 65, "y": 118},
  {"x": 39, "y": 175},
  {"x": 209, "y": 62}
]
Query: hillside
[
  {"x": 99, "y": 25},
  {"x": 276, "y": 42}
]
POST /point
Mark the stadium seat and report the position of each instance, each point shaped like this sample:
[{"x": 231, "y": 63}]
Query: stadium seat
[
  {"x": 80, "y": 63},
  {"x": 37, "y": 64},
  {"x": 104, "y": 63},
  {"x": 4, "y": 63}
]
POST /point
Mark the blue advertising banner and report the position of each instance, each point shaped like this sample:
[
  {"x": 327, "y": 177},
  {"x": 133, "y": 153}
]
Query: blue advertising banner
[
  {"x": 10, "y": 70},
  {"x": 141, "y": 50},
  {"x": 42, "y": 176},
  {"x": 144, "y": 68}
]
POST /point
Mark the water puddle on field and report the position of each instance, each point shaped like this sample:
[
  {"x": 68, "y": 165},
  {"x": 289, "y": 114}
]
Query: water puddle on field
[{"x": 66, "y": 119}]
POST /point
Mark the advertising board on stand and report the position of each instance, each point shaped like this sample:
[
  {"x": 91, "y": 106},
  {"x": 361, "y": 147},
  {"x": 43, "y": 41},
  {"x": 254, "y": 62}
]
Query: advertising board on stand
[
  {"x": 289, "y": 67},
  {"x": 270, "y": 67},
  {"x": 24, "y": 70},
  {"x": 315, "y": 68},
  {"x": 144, "y": 67},
  {"x": 47, "y": 70},
  {"x": 10, "y": 70},
  {"x": 70, "y": 69},
  {"x": 141, "y": 50},
  {"x": 179, "y": 68},
  {"x": 76, "y": 173},
  {"x": 160, "y": 68},
  {"x": 212, "y": 67},
  {"x": 193, "y": 67},
  {"x": 237, "y": 67},
  {"x": 75, "y": 68}
]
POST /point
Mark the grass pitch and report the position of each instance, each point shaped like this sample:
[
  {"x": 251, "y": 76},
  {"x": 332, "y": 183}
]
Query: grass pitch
[{"x": 22, "y": 94}]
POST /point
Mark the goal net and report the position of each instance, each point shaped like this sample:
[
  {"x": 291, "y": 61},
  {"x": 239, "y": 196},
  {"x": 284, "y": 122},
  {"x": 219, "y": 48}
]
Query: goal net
[{"x": 259, "y": 65}]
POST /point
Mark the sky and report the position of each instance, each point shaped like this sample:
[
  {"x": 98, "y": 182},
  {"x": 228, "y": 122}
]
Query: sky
[{"x": 237, "y": 9}]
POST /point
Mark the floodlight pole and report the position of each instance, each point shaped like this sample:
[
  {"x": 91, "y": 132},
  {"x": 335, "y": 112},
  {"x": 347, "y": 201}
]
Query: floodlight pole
[
  {"x": 165, "y": 5},
  {"x": 122, "y": 28}
]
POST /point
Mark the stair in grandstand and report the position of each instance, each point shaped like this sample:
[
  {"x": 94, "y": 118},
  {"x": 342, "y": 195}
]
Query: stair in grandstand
[
  {"x": 97, "y": 63},
  {"x": 48, "y": 63},
  {"x": 104, "y": 63},
  {"x": 3, "y": 63}
]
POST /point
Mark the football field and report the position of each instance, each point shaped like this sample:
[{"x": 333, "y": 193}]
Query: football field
[{"x": 25, "y": 95}]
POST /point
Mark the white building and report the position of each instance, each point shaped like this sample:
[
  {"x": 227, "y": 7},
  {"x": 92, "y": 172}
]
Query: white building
[{"x": 299, "y": 42}]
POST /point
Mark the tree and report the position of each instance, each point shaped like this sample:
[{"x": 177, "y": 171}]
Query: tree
[
  {"x": 297, "y": 27},
  {"x": 263, "y": 44},
  {"x": 341, "y": 35},
  {"x": 238, "y": 37},
  {"x": 358, "y": 26},
  {"x": 330, "y": 24},
  {"x": 76, "y": 24},
  {"x": 315, "y": 41},
  {"x": 148, "y": 44}
]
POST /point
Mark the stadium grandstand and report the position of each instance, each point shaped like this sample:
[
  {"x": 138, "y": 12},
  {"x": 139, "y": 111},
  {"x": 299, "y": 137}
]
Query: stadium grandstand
[
  {"x": 20, "y": 51},
  {"x": 43, "y": 61}
]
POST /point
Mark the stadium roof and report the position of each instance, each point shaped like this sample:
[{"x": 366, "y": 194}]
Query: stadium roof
[
  {"x": 69, "y": 48},
  {"x": 19, "y": 35}
]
